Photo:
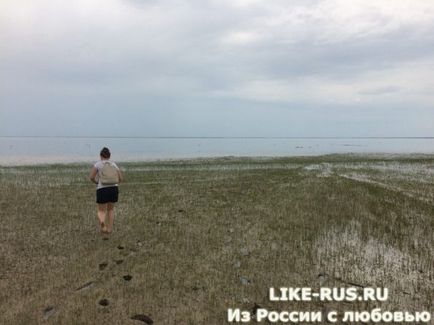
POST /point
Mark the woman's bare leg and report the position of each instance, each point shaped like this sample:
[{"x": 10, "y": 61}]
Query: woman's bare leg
[
  {"x": 111, "y": 216},
  {"x": 102, "y": 208}
]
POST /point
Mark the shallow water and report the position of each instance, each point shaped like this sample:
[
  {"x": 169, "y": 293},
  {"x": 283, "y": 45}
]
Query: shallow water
[{"x": 28, "y": 150}]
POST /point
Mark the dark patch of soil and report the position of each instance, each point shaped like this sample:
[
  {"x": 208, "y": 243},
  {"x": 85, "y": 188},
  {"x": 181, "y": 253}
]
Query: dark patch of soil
[
  {"x": 104, "y": 302},
  {"x": 102, "y": 266}
]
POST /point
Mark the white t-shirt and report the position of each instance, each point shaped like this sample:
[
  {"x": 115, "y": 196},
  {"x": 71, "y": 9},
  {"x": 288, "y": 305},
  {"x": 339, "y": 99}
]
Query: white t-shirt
[{"x": 98, "y": 165}]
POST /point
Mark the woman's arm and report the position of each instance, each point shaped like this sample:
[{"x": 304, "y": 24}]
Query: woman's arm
[
  {"x": 92, "y": 175},
  {"x": 121, "y": 176}
]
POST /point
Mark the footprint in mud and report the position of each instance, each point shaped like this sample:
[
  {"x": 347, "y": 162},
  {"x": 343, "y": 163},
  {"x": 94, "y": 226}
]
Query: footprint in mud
[
  {"x": 197, "y": 288},
  {"x": 322, "y": 277},
  {"x": 48, "y": 312},
  {"x": 255, "y": 309},
  {"x": 87, "y": 285},
  {"x": 244, "y": 251},
  {"x": 102, "y": 266},
  {"x": 244, "y": 280},
  {"x": 118, "y": 262},
  {"x": 104, "y": 302},
  {"x": 145, "y": 319},
  {"x": 127, "y": 277}
]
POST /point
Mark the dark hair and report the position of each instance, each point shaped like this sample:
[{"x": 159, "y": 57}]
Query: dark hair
[{"x": 105, "y": 153}]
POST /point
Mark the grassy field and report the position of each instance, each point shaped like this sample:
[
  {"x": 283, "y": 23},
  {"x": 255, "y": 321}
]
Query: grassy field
[{"x": 194, "y": 238}]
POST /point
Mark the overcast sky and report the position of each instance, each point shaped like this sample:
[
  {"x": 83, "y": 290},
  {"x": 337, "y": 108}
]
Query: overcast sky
[{"x": 217, "y": 68}]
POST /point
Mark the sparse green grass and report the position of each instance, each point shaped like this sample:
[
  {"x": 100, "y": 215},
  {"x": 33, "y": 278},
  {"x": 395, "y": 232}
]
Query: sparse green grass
[{"x": 184, "y": 224}]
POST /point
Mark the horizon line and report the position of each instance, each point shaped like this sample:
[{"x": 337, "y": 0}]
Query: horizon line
[{"x": 215, "y": 137}]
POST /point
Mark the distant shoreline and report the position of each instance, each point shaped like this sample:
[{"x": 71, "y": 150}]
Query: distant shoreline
[
  {"x": 52, "y": 160},
  {"x": 209, "y": 137}
]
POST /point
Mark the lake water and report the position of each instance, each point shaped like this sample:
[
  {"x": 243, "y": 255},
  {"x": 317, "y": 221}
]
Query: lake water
[{"x": 30, "y": 150}]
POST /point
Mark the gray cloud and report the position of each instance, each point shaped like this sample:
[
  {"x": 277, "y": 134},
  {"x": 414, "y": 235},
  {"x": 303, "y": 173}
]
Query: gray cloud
[
  {"x": 195, "y": 57},
  {"x": 381, "y": 91}
]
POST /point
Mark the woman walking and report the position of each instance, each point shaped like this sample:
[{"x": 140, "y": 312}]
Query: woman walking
[{"x": 107, "y": 175}]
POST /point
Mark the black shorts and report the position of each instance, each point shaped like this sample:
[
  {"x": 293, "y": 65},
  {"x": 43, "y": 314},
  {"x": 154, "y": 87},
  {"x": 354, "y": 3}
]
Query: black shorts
[{"x": 107, "y": 195}]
